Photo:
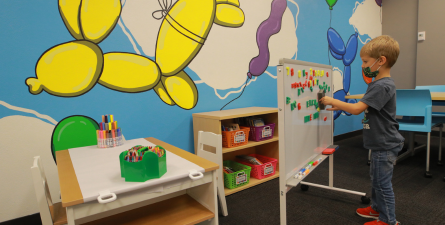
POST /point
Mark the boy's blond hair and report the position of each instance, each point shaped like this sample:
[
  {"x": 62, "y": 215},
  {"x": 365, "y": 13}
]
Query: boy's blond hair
[{"x": 382, "y": 46}]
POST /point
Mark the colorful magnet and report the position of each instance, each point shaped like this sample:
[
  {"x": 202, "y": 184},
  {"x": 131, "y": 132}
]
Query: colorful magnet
[
  {"x": 292, "y": 71},
  {"x": 325, "y": 118},
  {"x": 287, "y": 100},
  {"x": 299, "y": 73},
  {"x": 287, "y": 69}
]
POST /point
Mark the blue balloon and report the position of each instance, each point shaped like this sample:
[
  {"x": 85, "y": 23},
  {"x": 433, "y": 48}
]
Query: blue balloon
[
  {"x": 336, "y": 56},
  {"x": 347, "y": 78},
  {"x": 337, "y": 114},
  {"x": 336, "y": 42},
  {"x": 351, "y": 50},
  {"x": 340, "y": 95}
]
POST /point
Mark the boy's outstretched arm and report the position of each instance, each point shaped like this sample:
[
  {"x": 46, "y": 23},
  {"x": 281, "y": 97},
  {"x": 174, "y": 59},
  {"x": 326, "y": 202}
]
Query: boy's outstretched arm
[{"x": 353, "y": 108}]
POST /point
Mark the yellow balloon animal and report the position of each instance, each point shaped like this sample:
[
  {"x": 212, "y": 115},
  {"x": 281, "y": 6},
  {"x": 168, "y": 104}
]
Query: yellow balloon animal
[
  {"x": 68, "y": 69},
  {"x": 183, "y": 32},
  {"x": 72, "y": 69}
]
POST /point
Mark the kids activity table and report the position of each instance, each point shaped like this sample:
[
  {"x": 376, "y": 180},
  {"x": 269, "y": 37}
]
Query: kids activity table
[
  {"x": 438, "y": 99},
  {"x": 175, "y": 198}
]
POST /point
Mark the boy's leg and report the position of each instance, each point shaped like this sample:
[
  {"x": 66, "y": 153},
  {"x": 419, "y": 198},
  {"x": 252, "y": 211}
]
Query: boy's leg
[
  {"x": 370, "y": 211},
  {"x": 373, "y": 196},
  {"x": 383, "y": 166}
]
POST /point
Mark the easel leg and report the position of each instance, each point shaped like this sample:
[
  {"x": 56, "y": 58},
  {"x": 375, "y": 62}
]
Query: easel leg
[
  {"x": 331, "y": 170},
  {"x": 331, "y": 181}
]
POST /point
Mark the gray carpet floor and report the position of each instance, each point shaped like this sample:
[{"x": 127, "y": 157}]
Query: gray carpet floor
[{"x": 419, "y": 200}]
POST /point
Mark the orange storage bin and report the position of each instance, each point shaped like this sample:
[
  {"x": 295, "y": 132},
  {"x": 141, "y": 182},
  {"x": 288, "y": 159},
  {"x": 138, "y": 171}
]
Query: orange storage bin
[{"x": 235, "y": 138}]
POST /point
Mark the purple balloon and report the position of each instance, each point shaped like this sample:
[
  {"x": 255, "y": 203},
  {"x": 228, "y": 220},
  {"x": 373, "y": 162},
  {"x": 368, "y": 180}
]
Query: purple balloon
[
  {"x": 379, "y": 2},
  {"x": 267, "y": 28}
]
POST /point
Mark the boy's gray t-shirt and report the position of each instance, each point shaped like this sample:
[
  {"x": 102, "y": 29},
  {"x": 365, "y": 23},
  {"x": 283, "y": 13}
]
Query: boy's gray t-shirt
[{"x": 380, "y": 127}]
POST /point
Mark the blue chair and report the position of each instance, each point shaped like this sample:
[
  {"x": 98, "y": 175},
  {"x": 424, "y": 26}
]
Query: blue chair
[
  {"x": 416, "y": 108},
  {"x": 438, "y": 117}
]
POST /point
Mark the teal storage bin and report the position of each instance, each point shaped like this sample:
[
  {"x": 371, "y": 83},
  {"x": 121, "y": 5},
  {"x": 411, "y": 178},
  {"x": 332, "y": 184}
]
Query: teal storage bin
[{"x": 150, "y": 167}]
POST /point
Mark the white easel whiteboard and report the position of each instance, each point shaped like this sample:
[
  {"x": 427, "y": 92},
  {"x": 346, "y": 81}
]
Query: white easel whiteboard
[{"x": 300, "y": 141}]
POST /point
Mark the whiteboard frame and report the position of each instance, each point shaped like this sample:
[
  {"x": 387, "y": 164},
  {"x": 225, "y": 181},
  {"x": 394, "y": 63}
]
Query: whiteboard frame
[
  {"x": 281, "y": 73},
  {"x": 287, "y": 184}
]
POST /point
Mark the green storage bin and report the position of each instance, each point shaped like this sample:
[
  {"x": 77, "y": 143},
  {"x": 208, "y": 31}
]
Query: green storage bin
[
  {"x": 230, "y": 180},
  {"x": 150, "y": 167}
]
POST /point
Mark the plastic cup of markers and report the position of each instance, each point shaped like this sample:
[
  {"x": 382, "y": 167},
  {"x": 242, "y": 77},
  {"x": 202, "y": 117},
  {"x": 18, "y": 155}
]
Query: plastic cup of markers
[{"x": 106, "y": 140}]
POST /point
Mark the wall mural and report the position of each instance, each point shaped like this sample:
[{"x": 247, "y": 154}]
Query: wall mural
[
  {"x": 347, "y": 52},
  {"x": 72, "y": 69},
  {"x": 89, "y": 58}
]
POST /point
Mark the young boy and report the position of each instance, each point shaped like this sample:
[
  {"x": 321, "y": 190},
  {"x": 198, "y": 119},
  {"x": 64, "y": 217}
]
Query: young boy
[{"x": 380, "y": 128}]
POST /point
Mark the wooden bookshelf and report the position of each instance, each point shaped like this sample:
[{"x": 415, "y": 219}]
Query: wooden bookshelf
[
  {"x": 253, "y": 182},
  {"x": 250, "y": 144},
  {"x": 211, "y": 122}
]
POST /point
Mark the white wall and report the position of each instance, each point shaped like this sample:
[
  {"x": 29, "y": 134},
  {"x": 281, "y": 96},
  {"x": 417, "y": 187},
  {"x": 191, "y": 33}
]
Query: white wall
[{"x": 30, "y": 137}]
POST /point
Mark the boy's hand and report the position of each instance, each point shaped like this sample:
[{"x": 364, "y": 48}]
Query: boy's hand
[
  {"x": 326, "y": 100},
  {"x": 332, "y": 109}
]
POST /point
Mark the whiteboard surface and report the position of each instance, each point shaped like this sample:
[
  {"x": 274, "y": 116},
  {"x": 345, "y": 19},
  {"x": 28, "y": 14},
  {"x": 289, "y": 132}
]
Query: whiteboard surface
[{"x": 301, "y": 141}]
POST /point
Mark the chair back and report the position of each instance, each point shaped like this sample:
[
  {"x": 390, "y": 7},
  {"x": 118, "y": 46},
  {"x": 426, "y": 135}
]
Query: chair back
[
  {"x": 213, "y": 140},
  {"x": 413, "y": 102},
  {"x": 42, "y": 191},
  {"x": 433, "y": 88}
]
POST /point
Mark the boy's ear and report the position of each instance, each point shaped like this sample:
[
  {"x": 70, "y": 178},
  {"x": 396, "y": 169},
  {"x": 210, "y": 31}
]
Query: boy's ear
[{"x": 382, "y": 60}]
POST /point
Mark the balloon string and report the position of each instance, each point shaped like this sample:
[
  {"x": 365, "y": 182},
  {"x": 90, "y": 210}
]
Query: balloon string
[
  {"x": 165, "y": 7},
  {"x": 329, "y": 57},
  {"x": 330, "y": 20},
  {"x": 244, "y": 88},
  {"x": 381, "y": 15}
]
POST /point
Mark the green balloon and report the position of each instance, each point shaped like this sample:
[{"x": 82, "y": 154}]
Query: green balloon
[
  {"x": 74, "y": 132},
  {"x": 331, "y": 3}
]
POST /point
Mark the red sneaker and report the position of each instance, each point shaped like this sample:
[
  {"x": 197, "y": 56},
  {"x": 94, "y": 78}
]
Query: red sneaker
[
  {"x": 377, "y": 222},
  {"x": 368, "y": 212}
]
